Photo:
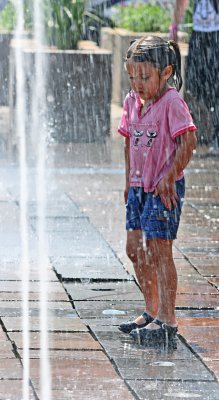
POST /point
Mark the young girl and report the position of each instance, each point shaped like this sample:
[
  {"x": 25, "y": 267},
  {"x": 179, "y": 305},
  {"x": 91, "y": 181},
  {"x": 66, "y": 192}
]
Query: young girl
[{"x": 159, "y": 142}]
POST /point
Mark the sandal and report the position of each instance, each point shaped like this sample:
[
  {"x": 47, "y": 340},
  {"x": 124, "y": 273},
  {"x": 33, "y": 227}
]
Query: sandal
[
  {"x": 127, "y": 327},
  {"x": 164, "y": 334}
]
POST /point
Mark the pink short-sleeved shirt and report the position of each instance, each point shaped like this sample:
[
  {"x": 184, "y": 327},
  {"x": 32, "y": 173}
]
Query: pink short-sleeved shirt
[{"x": 152, "y": 135}]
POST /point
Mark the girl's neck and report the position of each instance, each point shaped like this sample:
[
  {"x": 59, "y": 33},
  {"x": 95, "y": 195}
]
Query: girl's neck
[{"x": 146, "y": 103}]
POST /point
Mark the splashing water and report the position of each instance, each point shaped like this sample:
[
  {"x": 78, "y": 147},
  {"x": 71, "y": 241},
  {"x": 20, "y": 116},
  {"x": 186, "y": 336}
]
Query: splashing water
[
  {"x": 38, "y": 125},
  {"x": 20, "y": 112}
]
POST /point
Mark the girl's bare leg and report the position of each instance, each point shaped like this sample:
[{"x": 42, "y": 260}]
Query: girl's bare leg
[
  {"x": 145, "y": 272},
  {"x": 161, "y": 252}
]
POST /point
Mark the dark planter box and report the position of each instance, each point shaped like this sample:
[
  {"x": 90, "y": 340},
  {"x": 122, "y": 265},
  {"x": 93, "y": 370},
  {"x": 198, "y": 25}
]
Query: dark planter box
[
  {"x": 78, "y": 92},
  {"x": 5, "y": 39}
]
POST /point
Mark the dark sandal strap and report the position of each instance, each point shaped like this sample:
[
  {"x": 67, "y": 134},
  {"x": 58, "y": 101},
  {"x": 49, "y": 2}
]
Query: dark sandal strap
[
  {"x": 164, "y": 326},
  {"x": 147, "y": 317}
]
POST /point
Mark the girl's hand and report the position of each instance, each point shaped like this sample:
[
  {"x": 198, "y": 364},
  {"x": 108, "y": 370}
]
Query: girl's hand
[{"x": 167, "y": 193}]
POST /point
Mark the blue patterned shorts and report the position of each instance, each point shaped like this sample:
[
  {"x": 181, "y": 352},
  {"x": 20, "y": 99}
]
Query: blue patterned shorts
[{"x": 148, "y": 213}]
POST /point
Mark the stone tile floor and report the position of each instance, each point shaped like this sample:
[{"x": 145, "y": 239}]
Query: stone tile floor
[{"x": 91, "y": 285}]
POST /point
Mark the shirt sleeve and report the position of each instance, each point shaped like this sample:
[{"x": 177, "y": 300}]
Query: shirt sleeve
[
  {"x": 179, "y": 118},
  {"x": 123, "y": 127}
]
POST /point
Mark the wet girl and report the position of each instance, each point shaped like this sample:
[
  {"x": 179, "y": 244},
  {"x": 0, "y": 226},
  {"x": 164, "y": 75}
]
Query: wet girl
[{"x": 159, "y": 142}]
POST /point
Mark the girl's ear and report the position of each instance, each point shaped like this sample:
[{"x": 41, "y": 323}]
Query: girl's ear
[{"x": 167, "y": 72}]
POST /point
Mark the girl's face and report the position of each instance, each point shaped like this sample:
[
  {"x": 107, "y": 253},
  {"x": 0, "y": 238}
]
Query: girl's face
[{"x": 145, "y": 79}]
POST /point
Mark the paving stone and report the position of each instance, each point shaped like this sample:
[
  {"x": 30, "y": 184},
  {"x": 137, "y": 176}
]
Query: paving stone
[
  {"x": 55, "y": 209},
  {"x": 6, "y": 349},
  {"x": 93, "y": 389},
  {"x": 34, "y": 306},
  {"x": 63, "y": 324},
  {"x": 11, "y": 238},
  {"x": 208, "y": 270},
  {"x": 104, "y": 291},
  {"x": 10, "y": 369},
  {"x": 119, "y": 311},
  {"x": 5, "y": 196},
  {"x": 206, "y": 351},
  {"x": 190, "y": 370},
  {"x": 89, "y": 249},
  {"x": 59, "y": 341},
  {"x": 9, "y": 212},
  {"x": 196, "y": 287},
  {"x": 65, "y": 224},
  {"x": 197, "y": 313},
  {"x": 90, "y": 266},
  {"x": 197, "y": 300},
  {"x": 12, "y": 264},
  {"x": 15, "y": 251},
  {"x": 52, "y": 306},
  {"x": 12, "y": 309},
  {"x": 74, "y": 354},
  {"x": 158, "y": 390},
  {"x": 199, "y": 321},
  {"x": 196, "y": 252},
  {"x": 3, "y": 336},
  {"x": 210, "y": 355},
  {"x": 114, "y": 321},
  {"x": 12, "y": 390},
  {"x": 213, "y": 365},
  {"x": 17, "y": 296},
  {"x": 34, "y": 276},
  {"x": 119, "y": 345},
  {"x": 214, "y": 281},
  {"x": 210, "y": 260},
  {"x": 203, "y": 244},
  {"x": 16, "y": 286},
  {"x": 199, "y": 334},
  {"x": 66, "y": 371},
  {"x": 177, "y": 254},
  {"x": 103, "y": 312},
  {"x": 109, "y": 309}
]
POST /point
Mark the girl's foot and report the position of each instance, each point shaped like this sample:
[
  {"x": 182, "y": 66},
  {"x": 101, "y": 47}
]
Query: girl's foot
[
  {"x": 157, "y": 333},
  {"x": 139, "y": 323}
]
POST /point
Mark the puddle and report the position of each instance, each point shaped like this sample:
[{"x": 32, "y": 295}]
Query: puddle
[
  {"x": 113, "y": 312},
  {"x": 163, "y": 364}
]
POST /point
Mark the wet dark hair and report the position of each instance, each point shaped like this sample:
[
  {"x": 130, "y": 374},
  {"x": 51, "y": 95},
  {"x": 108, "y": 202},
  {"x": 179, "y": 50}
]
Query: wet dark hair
[{"x": 158, "y": 52}]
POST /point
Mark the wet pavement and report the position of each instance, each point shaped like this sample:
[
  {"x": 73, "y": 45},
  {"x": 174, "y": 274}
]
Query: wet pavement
[{"x": 92, "y": 287}]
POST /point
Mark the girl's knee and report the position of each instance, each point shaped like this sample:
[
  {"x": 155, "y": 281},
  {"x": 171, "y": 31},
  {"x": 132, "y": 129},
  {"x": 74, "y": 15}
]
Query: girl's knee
[
  {"x": 134, "y": 246},
  {"x": 131, "y": 253},
  {"x": 135, "y": 253}
]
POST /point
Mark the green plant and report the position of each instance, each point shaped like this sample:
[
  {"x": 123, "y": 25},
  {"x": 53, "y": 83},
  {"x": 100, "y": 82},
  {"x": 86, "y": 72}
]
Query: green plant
[
  {"x": 8, "y": 18},
  {"x": 64, "y": 22},
  {"x": 142, "y": 18}
]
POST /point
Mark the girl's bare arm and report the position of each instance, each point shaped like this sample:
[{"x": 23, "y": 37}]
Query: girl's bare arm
[
  {"x": 186, "y": 143},
  {"x": 127, "y": 167},
  {"x": 179, "y": 11}
]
